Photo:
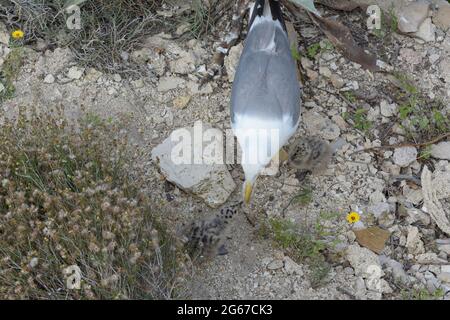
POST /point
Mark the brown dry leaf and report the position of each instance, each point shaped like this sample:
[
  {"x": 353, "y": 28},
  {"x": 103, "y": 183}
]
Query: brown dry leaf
[
  {"x": 342, "y": 39},
  {"x": 372, "y": 238},
  {"x": 344, "y": 5}
]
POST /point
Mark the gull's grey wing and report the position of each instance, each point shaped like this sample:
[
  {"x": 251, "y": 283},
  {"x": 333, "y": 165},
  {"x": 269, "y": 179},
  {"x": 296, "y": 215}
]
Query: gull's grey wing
[{"x": 266, "y": 78}]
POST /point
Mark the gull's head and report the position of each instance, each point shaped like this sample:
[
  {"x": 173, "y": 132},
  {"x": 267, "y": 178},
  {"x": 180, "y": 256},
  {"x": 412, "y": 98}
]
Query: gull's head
[
  {"x": 253, "y": 169},
  {"x": 260, "y": 141},
  {"x": 251, "y": 172}
]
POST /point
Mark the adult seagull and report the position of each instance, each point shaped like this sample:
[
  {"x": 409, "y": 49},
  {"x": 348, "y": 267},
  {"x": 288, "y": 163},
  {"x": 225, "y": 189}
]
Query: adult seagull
[{"x": 265, "y": 98}]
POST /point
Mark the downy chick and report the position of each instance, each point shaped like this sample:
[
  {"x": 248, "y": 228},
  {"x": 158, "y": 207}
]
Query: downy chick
[
  {"x": 206, "y": 237},
  {"x": 310, "y": 154}
]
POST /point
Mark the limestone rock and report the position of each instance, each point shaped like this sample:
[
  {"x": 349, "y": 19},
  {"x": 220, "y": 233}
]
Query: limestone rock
[
  {"x": 232, "y": 60},
  {"x": 4, "y": 34},
  {"x": 441, "y": 150},
  {"x": 411, "y": 16},
  {"x": 363, "y": 261},
  {"x": 325, "y": 71},
  {"x": 49, "y": 79},
  {"x": 275, "y": 264},
  {"x": 427, "y": 31},
  {"x": 169, "y": 83},
  {"x": 444, "y": 277},
  {"x": 196, "y": 88},
  {"x": 404, "y": 156},
  {"x": 211, "y": 182},
  {"x": 429, "y": 258},
  {"x": 441, "y": 17},
  {"x": 75, "y": 73},
  {"x": 444, "y": 67},
  {"x": 319, "y": 125},
  {"x": 431, "y": 203},
  {"x": 337, "y": 81},
  {"x": 388, "y": 109},
  {"x": 291, "y": 267},
  {"x": 183, "y": 65},
  {"x": 413, "y": 242},
  {"x": 397, "y": 268},
  {"x": 445, "y": 248}
]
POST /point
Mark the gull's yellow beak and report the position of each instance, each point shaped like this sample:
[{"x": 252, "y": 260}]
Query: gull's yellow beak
[{"x": 247, "y": 192}]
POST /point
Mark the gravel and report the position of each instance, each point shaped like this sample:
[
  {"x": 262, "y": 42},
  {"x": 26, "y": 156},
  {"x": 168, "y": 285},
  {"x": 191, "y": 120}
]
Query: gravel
[{"x": 172, "y": 96}]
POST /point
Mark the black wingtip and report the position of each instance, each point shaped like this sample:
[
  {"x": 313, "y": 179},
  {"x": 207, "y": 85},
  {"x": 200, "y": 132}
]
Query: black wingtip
[
  {"x": 277, "y": 14},
  {"x": 275, "y": 11},
  {"x": 258, "y": 11}
]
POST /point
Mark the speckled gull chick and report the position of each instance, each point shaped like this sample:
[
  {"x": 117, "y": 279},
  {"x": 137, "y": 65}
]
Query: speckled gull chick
[{"x": 265, "y": 98}]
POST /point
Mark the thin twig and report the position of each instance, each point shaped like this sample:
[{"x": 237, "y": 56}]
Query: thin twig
[
  {"x": 406, "y": 177},
  {"x": 351, "y": 104},
  {"x": 402, "y": 145},
  {"x": 346, "y": 292}
]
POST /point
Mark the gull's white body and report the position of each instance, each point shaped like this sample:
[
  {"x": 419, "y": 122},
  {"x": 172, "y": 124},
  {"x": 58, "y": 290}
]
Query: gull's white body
[{"x": 266, "y": 91}]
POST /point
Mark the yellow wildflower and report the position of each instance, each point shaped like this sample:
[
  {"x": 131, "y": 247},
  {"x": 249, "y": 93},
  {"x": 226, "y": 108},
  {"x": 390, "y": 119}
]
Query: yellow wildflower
[
  {"x": 17, "y": 34},
  {"x": 353, "y": 217}
]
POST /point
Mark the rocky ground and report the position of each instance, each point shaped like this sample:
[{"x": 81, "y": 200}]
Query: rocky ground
[{"x": 343, "y": 104}]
